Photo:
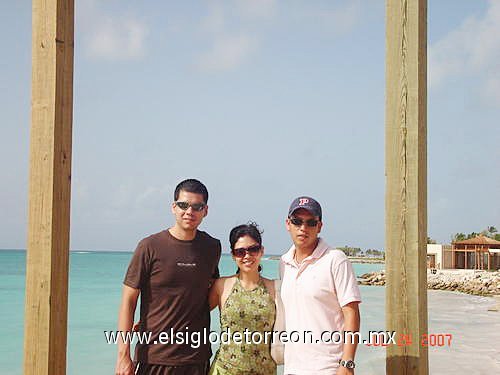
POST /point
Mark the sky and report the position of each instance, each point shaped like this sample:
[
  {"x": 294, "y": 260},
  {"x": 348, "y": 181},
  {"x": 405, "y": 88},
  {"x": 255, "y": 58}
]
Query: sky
[{"x": 261, "y": 100}]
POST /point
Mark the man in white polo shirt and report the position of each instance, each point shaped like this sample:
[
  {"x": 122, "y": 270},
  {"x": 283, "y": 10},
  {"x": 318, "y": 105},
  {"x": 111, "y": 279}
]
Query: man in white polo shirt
[{"x": 320, "y": 296}]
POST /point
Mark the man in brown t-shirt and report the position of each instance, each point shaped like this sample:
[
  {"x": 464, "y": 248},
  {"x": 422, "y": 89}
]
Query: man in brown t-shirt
[{"x": 171, "y": 271}]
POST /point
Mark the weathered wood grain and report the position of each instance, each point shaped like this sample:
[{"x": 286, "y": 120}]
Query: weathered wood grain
[
  {"x": 50, "y": 186},
  {"x": 406, "y": 183}
]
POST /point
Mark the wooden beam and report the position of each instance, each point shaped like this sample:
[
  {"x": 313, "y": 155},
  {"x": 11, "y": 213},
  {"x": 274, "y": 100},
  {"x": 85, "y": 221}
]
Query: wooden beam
[
  {"x": 49, "y": 191},
  {"x": 406, "y": 183}
]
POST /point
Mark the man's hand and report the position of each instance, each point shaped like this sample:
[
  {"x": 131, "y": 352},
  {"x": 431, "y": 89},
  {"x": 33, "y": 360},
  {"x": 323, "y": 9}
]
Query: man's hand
[
  {"x": 136, "y": 326},
  {"x": 345, "y": 371},
  {"x": 124, "y": 366}
]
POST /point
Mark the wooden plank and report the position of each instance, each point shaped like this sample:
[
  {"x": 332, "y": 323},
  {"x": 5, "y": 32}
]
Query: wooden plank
[
  {"x": 406, "y": 183},
  {"x": 49, "y": 191}
]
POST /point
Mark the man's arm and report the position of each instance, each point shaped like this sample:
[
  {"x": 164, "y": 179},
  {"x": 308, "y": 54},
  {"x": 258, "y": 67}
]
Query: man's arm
[
  {"x": 124, "y": 365},
  {"x": 351, "y": 323},
  {"x": 215, "y": 293}
]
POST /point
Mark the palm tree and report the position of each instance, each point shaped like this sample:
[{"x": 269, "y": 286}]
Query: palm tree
[{"x": 459, "y": 237}]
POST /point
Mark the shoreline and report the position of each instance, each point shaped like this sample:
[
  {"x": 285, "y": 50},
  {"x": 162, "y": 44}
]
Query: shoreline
[
  {"x": 366, "y": 260},
  {"x": 473, "y": 282},
  {"x": 351, "y": 259}
]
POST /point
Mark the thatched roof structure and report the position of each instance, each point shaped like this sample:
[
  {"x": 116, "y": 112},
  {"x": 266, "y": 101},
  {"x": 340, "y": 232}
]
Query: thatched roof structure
[{"x": 478, "y": 240}]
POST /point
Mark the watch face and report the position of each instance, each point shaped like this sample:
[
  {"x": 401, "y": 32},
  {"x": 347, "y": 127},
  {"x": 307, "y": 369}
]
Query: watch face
[{"x": 347, "y": 364}]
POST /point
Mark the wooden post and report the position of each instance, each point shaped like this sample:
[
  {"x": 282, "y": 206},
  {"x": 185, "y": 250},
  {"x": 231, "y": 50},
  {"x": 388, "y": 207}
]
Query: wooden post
[
  {"x": 406, "y": 183},
  {"x": 49, "y": 190}
]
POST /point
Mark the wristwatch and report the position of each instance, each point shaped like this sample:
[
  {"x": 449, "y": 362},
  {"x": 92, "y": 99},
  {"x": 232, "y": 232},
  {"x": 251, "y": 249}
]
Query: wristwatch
[{"x": 347, "y": 363}]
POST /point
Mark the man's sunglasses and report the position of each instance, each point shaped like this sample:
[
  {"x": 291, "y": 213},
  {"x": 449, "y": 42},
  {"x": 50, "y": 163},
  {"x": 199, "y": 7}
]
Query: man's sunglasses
[
  {"x": 240, "y": 252},
  {"x": 298, "y": 222},
  {"x": 195, "y": 206}
]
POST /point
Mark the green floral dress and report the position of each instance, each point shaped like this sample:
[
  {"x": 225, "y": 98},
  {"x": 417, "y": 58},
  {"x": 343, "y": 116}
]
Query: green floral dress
[{"x": 254, "y": 310}]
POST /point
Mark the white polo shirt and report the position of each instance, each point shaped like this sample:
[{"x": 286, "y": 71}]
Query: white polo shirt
[{"x": 313, "y": 295}]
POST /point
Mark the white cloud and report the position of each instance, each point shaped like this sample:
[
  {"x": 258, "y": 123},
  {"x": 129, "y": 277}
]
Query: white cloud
[
  {"x": 333, "y": 18},
  {"x": 492, "y": 88},
  {"x": 340, "y": 20},
  {"x": 110, "y": 36},
  {"x": 215, "y": 20},
  {"x": 129, "y": 199},
  {"x": 230, "y": 47},
  {"x": 228, "y": 52},
  {"x": 153, "y": 194},
  {"x": 116, "y": 39},
  {"x": 236, "y": 28},
  {"x": 473, "y": 49},
  {"x": 257, "y": 8}
]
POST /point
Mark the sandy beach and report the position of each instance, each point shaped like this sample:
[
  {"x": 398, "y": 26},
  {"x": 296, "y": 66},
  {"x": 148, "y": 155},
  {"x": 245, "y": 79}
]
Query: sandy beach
[{"x": 475, "y": 344}]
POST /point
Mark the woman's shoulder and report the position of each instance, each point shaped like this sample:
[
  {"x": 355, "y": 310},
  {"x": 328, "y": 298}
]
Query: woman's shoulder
[
  {"x": 225, "y": 281},
  {"x": 225, "y": 278}
]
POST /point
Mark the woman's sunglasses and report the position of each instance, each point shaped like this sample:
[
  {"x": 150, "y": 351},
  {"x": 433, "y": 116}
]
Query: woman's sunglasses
[
  {"x": 240, "y": 252},
  {"x": 298, "y": 222},
  {"x": 195, "y": 206}
]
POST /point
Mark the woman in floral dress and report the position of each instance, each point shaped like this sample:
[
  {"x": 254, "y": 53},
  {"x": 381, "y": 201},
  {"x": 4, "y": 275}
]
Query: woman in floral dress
[{"x": 246, "y": 302}]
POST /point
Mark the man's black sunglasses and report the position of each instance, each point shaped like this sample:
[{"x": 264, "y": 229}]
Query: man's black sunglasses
[
  {"x": 298, "y": 222},
  {"x": 240, "y": 252},
  {"x": 195, "y": 206}
]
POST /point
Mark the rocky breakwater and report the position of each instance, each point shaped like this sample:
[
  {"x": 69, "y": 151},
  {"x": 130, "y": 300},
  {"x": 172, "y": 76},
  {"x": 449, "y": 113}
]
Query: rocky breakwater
[{"x": 481, "y": 283}]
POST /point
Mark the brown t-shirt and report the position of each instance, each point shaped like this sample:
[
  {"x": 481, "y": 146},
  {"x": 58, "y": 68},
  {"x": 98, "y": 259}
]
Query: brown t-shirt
[{"x": 174, "y": 276}]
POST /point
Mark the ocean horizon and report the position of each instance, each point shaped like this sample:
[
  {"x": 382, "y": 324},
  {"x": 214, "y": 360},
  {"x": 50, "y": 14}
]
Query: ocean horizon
[{"x": 95, "y": 282}]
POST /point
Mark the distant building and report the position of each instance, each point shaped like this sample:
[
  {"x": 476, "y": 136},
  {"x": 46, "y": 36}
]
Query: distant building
[
  {"x": 479, "y": 253},
  {"x": 435, "y": 256},
  {"x": 438, "y": 256}
]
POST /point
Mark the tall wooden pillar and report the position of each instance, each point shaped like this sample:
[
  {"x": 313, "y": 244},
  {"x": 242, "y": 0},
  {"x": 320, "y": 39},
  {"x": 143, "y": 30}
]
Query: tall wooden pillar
[
  {"x": 49, "y": 190},
  {"x": 406, "y": 183}
]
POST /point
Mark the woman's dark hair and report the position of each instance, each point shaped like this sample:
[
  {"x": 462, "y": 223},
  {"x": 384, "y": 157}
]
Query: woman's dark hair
[
  {"x": 191, "y": 186},
  {"x": 251, "y": 229}
]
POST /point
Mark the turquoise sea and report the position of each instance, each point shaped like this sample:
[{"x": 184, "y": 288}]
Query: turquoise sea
[{"x": 94, "y": 295}]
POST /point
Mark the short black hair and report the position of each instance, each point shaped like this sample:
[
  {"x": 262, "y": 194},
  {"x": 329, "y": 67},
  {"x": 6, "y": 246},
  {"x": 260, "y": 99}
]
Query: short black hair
[{"x": 191, "y": 185}]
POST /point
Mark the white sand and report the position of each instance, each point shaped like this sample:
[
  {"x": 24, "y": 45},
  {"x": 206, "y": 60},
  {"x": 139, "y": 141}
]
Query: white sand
[{"x": 475, "y": 345}]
